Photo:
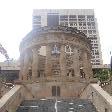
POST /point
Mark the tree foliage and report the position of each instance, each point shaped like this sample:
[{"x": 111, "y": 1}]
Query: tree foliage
[{"x": 103, "y": 75}]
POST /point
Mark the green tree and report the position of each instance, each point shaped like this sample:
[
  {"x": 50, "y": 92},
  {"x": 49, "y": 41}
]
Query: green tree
[{"x": 103, "y": 75}]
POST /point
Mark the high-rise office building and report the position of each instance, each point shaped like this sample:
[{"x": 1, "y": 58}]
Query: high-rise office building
[{"x": 82, "y": 19}]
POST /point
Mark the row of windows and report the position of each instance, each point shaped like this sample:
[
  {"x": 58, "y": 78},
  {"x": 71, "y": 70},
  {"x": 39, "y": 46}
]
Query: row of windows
[
  {"x": 82, "y": 23},
  {"x": 94, "y": 56},
  {"x": 92, "y": 37},
  {"x": 91, "y": 23},
  {"x": 94, "y": 41},
  {"x": 71, "y": 18},
  {"x": 90, "y": 18},
  {"x": 95, "y": 53},
  {"x": 81, "y": 26},
  {"x": 80, "y": 17},
  {"x": 92, "y": 31},
  {"x": 95, "y": 63},
  {"x": 88, "y": 27},
  {"x": 75, "y": 20},
  {"x": 95, "y": 60}
]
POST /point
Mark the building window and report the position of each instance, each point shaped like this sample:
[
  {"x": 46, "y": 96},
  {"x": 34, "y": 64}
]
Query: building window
[
  {"x": 72, "y": 18},
  {"x": 90, "y": 18},
  {"x": 64, "y": 18},
  {"x": 55, "y": 91},
  {"x": 81, "y": 18}
]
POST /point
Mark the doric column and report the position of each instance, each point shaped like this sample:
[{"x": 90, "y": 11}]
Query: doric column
[
  {"x": 48, "y": 64},
  {"x": 89, "y": 68},
  {"x": 26, "y": 65},
  {"x": 76, "y": 63},
  {"x": 34, "y": 63},
  {"x": 62, "y": 61},
  {"x": 21, "y": 66},
  {"x": 86, "y": 63}
]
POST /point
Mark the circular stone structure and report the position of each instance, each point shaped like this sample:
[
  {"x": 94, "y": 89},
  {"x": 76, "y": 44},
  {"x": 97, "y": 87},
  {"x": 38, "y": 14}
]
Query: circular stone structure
[
  {"x": 56, "y": 54},
  {"x": 67, "y": 53}
]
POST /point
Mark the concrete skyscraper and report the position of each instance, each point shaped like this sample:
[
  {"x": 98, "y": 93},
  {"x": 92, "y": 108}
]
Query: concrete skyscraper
[{"x": 82, "y": 19}]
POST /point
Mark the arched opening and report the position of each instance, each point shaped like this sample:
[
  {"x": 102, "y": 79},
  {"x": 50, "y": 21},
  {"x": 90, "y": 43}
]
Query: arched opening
[{"x": 42, "y": 50}]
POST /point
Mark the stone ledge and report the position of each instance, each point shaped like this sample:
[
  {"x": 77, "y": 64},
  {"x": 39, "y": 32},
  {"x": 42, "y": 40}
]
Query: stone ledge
[
  {"x": 6, "y": 99},
  {"x": 100, "y": 98}
]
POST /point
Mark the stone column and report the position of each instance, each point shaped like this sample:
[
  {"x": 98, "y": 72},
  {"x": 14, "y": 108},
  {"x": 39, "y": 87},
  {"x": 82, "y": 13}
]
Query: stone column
[
  {"x": 62, "y": 61},
  {"x": 21, "y": 66},
  {"x": 90, "y": 74},
  {"x": 34, "y": 63},
  {"x": 48, "y": 64},
  {"x": 76, "y": 63},
  {"x": 86, "y": 68},
  {"x": 26, "y": 65}
]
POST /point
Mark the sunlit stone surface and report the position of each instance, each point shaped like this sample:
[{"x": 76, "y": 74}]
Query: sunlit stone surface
[{"x": 66, "y": 54}]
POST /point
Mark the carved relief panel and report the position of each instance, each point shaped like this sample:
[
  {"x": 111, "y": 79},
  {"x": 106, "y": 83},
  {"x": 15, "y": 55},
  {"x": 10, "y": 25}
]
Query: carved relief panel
[
  {"x": 55, "y": 49},
  {"x": 69, "y": 55},
  {"x": 69, "y": 60},
  {"x": 55, "y": 68}
]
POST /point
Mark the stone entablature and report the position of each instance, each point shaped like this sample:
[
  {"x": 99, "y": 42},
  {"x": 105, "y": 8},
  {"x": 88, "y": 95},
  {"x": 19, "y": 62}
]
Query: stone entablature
[
  {"x": 34, "y": 35},
  {"x": 68, "y": 54}
]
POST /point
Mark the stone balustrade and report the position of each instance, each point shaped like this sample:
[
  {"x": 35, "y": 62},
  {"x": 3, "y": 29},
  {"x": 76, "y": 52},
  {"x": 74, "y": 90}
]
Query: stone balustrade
[
  {"x": 11, "y": 100},
  {"x": 100, "y": 98}
]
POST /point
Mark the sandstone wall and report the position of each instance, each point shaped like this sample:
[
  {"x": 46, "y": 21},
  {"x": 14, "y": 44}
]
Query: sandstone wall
[{"x": 44, "y": 90}]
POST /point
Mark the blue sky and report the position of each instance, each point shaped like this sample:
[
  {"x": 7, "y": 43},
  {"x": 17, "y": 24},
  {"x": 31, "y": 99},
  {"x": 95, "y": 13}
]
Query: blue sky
[{"x": 16, "y": 21}]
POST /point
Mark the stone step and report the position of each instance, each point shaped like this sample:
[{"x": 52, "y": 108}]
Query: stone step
[{"x": 52, "y": 105}]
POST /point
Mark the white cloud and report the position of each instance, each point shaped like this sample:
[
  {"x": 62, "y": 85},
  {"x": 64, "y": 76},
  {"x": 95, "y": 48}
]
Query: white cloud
[{"x": 16, "y": 20}]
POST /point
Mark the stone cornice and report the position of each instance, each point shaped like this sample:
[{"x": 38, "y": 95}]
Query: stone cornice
[
  {"x": 47, "y": 29},
  {"x": 56, "y": 29}
]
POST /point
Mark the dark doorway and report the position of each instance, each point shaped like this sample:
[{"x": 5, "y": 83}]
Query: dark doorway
[
  {"x": 106, "y": 110},
  {"x": 55, "y": 91}
]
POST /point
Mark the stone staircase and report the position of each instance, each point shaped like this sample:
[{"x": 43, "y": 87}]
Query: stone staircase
[{"x": 52, "y": 105}]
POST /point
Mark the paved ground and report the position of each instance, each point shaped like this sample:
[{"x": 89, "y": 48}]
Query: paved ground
[{"x": 50, "y": 105}]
